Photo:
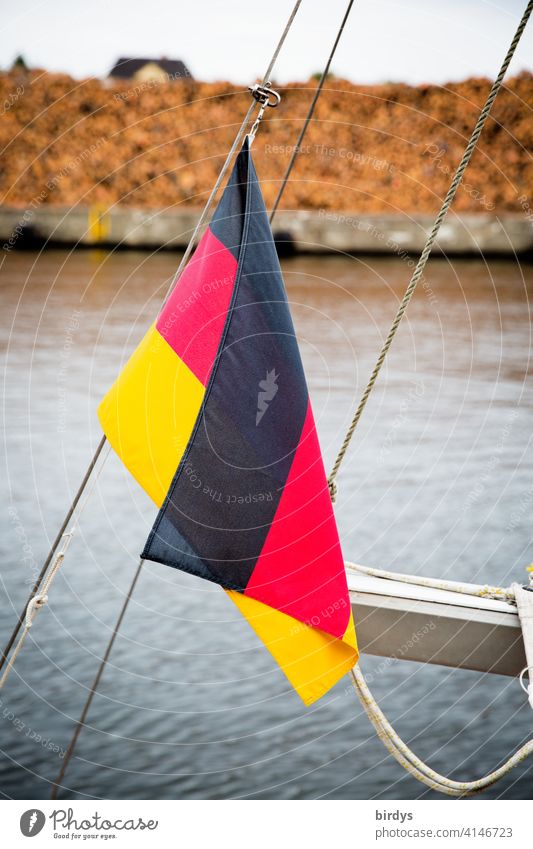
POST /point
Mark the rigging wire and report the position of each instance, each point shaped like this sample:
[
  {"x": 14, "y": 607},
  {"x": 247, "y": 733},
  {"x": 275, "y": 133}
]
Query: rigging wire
[
  {"x": 80, "y": 723},
  {"x": 86, "y": 707},
  {"x": 393, "y": 742},
  {"x": 385, "y": 731},
  {"x": 90, "y": 697},
  {"x": 424, "y": 256},
  {"x": 53, "y": 549},
  {"x": 39, "y": 599},
  {"x": 185, "y": 258},
  {"x": 311, "y": 111}
]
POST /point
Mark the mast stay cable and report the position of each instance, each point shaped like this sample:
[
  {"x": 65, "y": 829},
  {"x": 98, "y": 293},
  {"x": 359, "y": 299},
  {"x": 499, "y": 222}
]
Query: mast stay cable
[
  {"x": 185, "y": 258},
  {"x": 53, "y": 549},
  {"x": 310, "y": 113},
  {"x": 395, "y": 745},
  {"x": 392, "y": 741},
  {"x": 424, "y": 256},
  {"x": 181, "y": 266},
  {"x": 81, "y": 722}
]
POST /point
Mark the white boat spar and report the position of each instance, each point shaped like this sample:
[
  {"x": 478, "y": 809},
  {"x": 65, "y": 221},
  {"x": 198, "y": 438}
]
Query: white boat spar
[{"x": 432, "y": 625}]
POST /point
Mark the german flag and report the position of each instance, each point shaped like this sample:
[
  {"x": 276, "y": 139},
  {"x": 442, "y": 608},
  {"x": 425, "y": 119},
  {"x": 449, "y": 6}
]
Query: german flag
[{"x": 211, "y": 415}]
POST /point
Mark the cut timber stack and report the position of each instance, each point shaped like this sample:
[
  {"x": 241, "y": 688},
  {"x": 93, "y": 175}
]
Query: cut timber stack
[{"x": 372, "y": 149}]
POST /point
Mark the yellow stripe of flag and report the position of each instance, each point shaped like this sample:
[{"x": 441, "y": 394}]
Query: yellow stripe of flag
[{"x": 148, "y": 416}]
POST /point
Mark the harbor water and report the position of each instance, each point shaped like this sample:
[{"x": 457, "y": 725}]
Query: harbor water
[{"x": 438, "y": 482}]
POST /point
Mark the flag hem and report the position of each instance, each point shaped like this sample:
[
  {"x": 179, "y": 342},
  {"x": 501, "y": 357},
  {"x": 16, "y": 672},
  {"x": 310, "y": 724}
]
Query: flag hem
[{"x": 242, "y": 251}]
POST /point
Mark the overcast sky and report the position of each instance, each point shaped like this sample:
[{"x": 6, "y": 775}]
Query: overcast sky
[{"x": 406, "y": 40}]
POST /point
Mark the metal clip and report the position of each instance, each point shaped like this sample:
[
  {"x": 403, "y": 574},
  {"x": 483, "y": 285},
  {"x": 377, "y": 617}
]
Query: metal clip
[
  {"x": 265, "y": 96},
  {"x": 527, "y": 688}
]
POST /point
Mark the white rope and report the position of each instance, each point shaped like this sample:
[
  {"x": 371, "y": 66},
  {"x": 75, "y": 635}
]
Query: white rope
[
  {"x": 192, "y": 241},
  {"x": 35, "y": 604},
  {"x": 426, "y": 251},
  {"x": 39, "y": 600},
  {"x": 386, "y": 733},
  {"x": 497, "y": 593},
  {"x": 527, "y": 688},
  {"x": 413, "y": 764}
]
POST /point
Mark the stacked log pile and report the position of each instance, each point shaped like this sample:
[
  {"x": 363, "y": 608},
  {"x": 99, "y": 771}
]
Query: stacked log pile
[{"x": 371, "y": 149}]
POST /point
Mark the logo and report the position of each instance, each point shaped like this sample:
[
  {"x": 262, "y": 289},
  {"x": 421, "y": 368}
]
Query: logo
[
  {"x": 267, "y": 392},
  {"x": 64, "y": 819},
  {"x": 32, "y": 822}
]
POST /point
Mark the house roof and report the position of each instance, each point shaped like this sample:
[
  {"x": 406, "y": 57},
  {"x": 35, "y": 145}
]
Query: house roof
[{"x": 126, "y": 67}]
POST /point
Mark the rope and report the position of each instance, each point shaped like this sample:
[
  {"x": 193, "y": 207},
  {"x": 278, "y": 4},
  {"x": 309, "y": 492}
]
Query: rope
[
  {"x": 424, "y": 256},
  {"x": 185, "y": 258},
  {"x": 34, "y": 605},
  {"x": 310, "y": 113},
  {"x": 386, "y": 733},
  {"x": 497, "y": 593},
  {"x": 395, "y": 744},
  {"x": 183, "y": 262},
  {"x": 39, "y": 599},
  {"x": 81, "y": 721},
  {"x": 53, "y": 549},
  {"x": 203, "y": 217},
  {"x": 413, "y": 764}
]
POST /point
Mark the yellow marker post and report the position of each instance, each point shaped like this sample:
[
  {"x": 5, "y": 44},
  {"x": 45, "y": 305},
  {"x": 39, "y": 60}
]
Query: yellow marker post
[{"x": 99, "y": 223}]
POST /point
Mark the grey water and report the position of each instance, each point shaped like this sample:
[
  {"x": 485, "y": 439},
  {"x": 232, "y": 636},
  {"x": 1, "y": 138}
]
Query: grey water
[{"x": 439, "y": 481}]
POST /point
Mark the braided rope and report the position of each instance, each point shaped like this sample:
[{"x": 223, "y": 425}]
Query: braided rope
[
  {"x": 39, "y": 597},
  {"x": 496, "y": 593},
  {"x": 192, "y": 242},
  {"x": 34, "y": 605},
  {"x": 81, "y": 721},
  {"x": 53, "y": 549},
  {"x": 413, "y": 764},
  {"x": 310, "y": 113},
  {"x": 424, "y": 256}
]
